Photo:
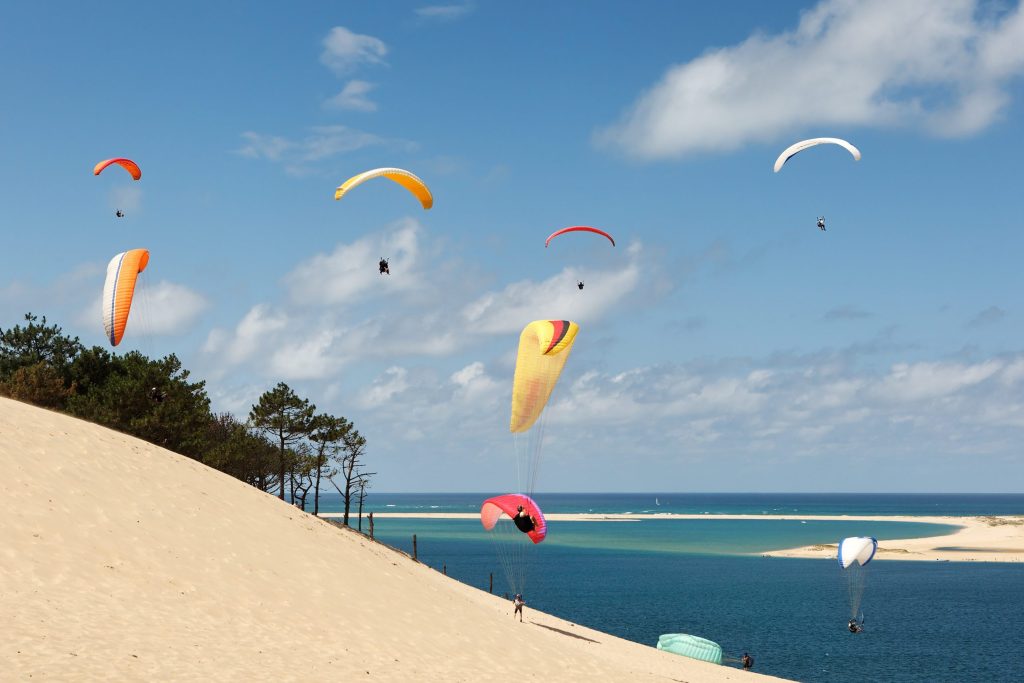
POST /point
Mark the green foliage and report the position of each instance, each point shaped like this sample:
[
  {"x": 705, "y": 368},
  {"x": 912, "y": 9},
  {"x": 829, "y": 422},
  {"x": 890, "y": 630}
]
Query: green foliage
[
  {"x": 37, "y": 342},
  {"x": 234, "y": 449},
  {"x": 283, "y": 443},
  {"x": 285, "y": 417},
  {"x": 38, "y": 384},
  {"x": 150, "y": 399}
]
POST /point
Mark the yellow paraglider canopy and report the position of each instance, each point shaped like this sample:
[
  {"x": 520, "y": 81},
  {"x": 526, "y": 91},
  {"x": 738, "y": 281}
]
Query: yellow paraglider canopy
[
  {"x": 404, "y": 178},
  {"x": 544, "y": 346}
]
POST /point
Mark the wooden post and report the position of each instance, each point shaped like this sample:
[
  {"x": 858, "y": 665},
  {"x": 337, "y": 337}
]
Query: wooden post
[
  {"x": 444, "y": 569},
  {"x": 491, "y": 588},
  {"x": 371, "y": 525},
  {"x": 414, "y": 555}
]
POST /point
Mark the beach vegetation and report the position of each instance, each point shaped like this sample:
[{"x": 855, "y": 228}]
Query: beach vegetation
[
  {"x": 286, "y": 419},
  {"x": 35, "y": 343},
  {"x": 38, "y": 384},
  {"x": 284, "y": 445}
]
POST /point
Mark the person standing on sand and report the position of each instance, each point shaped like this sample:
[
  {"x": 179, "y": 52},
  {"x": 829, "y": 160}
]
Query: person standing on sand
[
  {"x": 747, "y": 661},
  {"x": 518, "y": 602}
]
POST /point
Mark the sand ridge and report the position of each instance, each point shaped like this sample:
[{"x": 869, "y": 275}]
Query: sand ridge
[{"x": 122, "y": 561}]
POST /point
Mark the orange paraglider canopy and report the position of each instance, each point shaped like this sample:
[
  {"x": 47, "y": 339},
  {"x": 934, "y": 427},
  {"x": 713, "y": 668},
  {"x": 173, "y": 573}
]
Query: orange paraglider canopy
[
  {"x": 126, "y": 164},
  {"x": 493, "y": 508},
  {"x": 578, "y": 228}
]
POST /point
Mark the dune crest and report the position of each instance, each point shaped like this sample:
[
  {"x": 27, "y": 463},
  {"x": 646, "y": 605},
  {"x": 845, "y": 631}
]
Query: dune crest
[{"x": 120, "y": 560}]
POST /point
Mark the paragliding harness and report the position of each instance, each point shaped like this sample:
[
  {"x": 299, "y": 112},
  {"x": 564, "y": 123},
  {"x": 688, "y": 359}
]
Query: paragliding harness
[
  {"x": 580, "y": 284},
  {"x": 524, "y": 522},
  {"x": 821, "y": 223},
  {"x": 119, "y": 213},
  {"x": 383, "y": 265}
]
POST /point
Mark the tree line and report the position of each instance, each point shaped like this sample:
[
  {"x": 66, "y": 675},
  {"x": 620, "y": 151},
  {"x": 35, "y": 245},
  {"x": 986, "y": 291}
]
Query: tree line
[{"x": 284, "y": 445}]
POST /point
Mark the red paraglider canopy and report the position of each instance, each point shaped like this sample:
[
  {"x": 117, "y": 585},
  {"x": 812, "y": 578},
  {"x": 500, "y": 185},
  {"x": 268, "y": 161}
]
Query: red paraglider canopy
[
  {"x": 577, "y": 228},
  {"x": 126, "y": 164},
  {"x": 493, "y": 508}
]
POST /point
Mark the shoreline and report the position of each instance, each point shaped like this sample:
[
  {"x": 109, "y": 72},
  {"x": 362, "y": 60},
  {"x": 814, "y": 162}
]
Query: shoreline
[{"x": 987, "y": 538}]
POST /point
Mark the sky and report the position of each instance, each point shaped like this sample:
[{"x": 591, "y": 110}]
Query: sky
[{"x": 725, "y": 343}]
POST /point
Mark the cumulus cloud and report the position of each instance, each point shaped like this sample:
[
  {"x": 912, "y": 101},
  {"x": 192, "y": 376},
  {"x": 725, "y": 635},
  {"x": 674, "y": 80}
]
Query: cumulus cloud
[
  {"x": 935, "y": 64},
  {"x": 344, "y": 276},
  {"x": 510, "y": 309},
  {"x": 163, "y": 308},
  {"x": 345, "y": 50},
  {"x": 172, "y": 308},
  {"x": 337, "y": 312},
  {"x": 353, "y": 97}
]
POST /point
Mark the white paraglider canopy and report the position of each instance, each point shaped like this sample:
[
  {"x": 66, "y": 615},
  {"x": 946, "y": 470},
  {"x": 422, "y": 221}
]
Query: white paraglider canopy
[
  {"x": 804, "y": 144},
  {"x": 859, "y": 549}
]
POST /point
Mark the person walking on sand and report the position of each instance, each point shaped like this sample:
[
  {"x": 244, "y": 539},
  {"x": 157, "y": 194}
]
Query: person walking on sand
[{"x": 518, "y": 602}]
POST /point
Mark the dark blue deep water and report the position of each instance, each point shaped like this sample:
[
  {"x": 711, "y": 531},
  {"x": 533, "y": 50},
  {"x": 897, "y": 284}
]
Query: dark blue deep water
[{"x": 925, "y": 621}]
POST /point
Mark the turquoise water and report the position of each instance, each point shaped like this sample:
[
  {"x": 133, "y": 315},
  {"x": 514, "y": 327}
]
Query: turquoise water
[
  {"x": 674, "y": 536},
  {"x": 714, "y": 503},
  {"x": 925, "y": 621}
]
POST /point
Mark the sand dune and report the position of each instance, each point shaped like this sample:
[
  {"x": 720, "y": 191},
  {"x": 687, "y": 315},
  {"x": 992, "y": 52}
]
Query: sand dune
[{"x": 122, "y": 561}]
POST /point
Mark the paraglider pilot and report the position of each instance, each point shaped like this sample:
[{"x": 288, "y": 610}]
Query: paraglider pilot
[
  {"x": 523, "y": 521},
  {"x": 518, "y": 602},
  {"x": 383, "y": 265},
  {"x": 821, "y": 223},
  {"x": 119, "y": 213},
  {"x": 580, "y": 284}
]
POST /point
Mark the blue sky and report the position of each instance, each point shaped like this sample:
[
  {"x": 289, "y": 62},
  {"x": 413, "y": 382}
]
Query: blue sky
[{"x": 725, "y": 343}]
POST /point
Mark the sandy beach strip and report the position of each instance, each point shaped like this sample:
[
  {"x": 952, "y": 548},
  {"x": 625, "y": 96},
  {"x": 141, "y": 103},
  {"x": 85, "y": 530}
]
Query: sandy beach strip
[
  {"x": 978, "y": 539},
  {"x": 121, "y": 561}
]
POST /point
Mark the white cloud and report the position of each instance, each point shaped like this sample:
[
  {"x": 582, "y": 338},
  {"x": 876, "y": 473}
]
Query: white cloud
[
  {"x": 172, "y": 308},
  {"x": 310, "y": 354},
  {"x": 346, "y": 275},
  {"x": 445, "y": 12},
  {"x": 932, "y": 64},
  {"x": 164, "y": 308},
  {"x": 345, "y": 50},
  {"x": 247, "y": 338},
  {"x": 298, "y": 156},
  {"x": 926, "y": 381},
  {"x": 383, "y": 388},
  {"x": 353, "y": 97},
  {"x": 555, "y": 298},
  {"x": 322, "y": 143}
]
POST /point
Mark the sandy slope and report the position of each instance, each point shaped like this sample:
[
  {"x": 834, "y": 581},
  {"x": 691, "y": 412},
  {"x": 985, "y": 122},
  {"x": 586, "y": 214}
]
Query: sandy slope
[{"x": 122, "y": 561}]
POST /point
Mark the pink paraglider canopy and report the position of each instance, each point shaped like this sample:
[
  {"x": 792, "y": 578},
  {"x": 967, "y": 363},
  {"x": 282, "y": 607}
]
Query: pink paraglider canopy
[{"x": 493, "y": 508}]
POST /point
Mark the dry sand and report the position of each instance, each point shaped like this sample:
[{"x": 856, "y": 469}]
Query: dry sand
[
  {"x": 979, "y": 539},
  {"x": 121, "y": 561}
]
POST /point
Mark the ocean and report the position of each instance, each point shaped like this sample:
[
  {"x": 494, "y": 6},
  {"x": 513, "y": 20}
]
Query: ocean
[{"x": 925, "y": 621}]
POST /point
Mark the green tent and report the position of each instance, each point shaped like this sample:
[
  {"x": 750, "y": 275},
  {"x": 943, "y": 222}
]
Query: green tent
[{"x": 691, "y": 646}]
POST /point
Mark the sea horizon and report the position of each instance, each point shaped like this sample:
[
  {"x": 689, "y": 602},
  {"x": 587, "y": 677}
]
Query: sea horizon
[
  {"x": 850, "y": 504},
  {"x": 638, "y": 580}
]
